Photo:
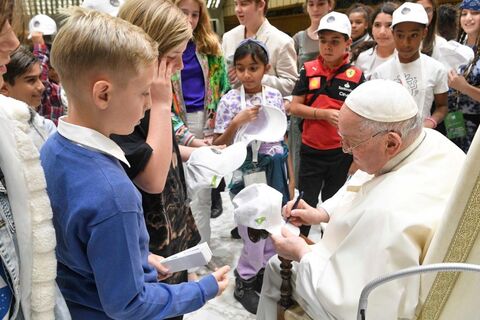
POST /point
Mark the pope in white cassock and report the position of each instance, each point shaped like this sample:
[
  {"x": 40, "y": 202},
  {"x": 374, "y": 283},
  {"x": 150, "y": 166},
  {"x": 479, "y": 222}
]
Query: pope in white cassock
[{"x": 380, "y": 221}]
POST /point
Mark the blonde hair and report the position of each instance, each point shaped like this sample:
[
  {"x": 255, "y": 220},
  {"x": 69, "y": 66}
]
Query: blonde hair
[
  {"x": 90, "y": 40},
  {"x": 205, "y": 39},
  {"x": 161, "y": 19}
]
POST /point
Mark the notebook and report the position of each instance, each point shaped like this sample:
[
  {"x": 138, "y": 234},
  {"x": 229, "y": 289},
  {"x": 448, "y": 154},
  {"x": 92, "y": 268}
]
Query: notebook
[{"x": 193, "y": 257}]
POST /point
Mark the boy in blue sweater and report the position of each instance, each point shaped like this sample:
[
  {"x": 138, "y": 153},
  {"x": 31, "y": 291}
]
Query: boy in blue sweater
[{"x": 107, "y": 67}]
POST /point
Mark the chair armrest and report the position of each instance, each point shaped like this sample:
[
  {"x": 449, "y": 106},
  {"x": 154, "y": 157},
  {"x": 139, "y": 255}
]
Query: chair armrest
[{"x": 437, "y": 267}]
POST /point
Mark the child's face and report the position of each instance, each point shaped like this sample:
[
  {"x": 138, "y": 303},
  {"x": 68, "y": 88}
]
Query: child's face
[
  {"x": 470, "y": 22},
  {"x": 317, "y": 9},
  {"x": 408, "y": 37},
  {"x": 129, "y": 102},
  {"x": 428, "y": 6},
  {"x": 359, "y": 24},
  {"x": 381, "y": 31},
  {"x": 174, "y": 56},
  {"x": 333, "y": 46},
  {"x": 250, "y": 73},
  {"x": 191, "y": 9},
  {"x": 8, "y": 43},
  {"x": 28, "y": 87},
  {"x": 247, "y": 11}
]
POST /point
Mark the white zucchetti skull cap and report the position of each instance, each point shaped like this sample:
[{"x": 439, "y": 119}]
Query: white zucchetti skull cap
[{"x": 383, "y": 101}]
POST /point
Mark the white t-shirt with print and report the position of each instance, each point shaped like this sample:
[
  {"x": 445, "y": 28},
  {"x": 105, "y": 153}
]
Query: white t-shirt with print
[
  {"x": 368, "y": 61},
  {"x": 435, "y": 82}
]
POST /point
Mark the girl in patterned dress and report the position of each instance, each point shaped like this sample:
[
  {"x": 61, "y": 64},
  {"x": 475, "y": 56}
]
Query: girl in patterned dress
[
  {"x": 237, "y": 108},
  {"x": 466, "y": 81}
]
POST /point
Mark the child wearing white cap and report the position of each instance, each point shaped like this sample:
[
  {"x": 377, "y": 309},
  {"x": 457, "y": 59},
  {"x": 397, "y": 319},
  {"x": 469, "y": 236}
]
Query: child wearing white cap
[
  {"x": 317, "y": 97},
  {"x": 425, "y": 77}
]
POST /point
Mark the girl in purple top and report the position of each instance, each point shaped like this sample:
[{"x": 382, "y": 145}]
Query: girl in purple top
[{"x": 197, "y": 89}]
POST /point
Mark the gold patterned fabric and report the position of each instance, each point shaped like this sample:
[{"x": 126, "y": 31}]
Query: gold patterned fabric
[{"x": 453, "y": 295}]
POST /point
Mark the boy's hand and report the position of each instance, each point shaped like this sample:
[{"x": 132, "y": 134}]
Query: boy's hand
[
  {"x": 161, "y": 89},
  {"x": 247, "y": 115},
  {"x": 331, "y": 115},
  {"x": 221, "y": 275},
  {"x": 156, "y": 262},
  {"x": 37, "y": 37}
]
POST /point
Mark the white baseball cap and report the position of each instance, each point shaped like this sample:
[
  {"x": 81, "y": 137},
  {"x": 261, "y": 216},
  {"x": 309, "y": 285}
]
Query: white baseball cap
[
  {"x": 106, "y": 6},
  {"x": 382, "y": 100},
  {"x": 336, "y": 21},
  {"x": 410, "y": 12},
  {"x": 259, "y": 206},
  {"x": 42, "y": 23},
  {"x": 207, "y": 166},
  {"x": 453, "y": 54},
  {"x": 270, "y": 126}
]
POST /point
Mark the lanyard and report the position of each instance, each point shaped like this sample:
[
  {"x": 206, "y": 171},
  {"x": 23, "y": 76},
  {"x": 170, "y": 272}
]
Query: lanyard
[
  {"x": 243, "y": 105},
  {"x": 422, "y": 92}
]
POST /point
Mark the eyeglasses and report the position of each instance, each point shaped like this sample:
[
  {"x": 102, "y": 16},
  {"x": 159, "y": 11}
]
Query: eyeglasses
[{"x": 349, "y": 149}]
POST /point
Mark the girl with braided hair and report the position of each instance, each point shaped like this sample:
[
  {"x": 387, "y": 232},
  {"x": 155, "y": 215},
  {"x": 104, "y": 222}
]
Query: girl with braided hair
[{"x": 466, "y": 82}]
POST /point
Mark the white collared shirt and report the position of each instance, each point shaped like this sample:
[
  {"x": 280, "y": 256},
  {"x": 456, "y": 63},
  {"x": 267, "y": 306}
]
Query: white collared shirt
[{"x": 90, "y": 139}]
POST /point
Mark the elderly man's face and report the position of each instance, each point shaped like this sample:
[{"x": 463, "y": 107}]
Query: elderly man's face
[{"x": 369, "y": 149}]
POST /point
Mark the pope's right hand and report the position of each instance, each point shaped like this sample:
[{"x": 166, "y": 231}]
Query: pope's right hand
[{"x": 304, "y": 214}]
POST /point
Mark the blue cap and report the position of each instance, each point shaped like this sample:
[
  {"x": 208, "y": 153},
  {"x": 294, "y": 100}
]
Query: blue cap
[
  {"x": 258, "y": 42},
  {"x": 470, "y": 5}
]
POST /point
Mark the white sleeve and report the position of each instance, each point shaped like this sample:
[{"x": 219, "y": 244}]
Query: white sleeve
[
  {"x": 441, "y": 83},
  {"x": 331, "y": 278}
]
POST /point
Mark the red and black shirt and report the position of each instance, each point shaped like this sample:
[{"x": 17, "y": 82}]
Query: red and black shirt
[{"x": 325, "y": 88}]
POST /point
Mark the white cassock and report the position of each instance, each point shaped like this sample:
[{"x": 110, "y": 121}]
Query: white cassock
[{"x": 378, "y": 224}]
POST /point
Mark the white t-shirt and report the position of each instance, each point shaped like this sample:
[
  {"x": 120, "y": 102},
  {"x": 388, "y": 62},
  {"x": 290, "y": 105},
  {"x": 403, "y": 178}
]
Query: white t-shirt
[
  {"x": 435, "y": 79},
  {"x": 368, "y": 61}
]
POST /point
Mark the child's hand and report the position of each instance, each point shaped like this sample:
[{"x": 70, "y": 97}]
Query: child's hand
[
  {"x": 247, "y": 115},
  {"x": 331, "y": 115},
  {"x": 232, "y": 75},
  {"x": 37, "y": 37},
  {"x": 221, "y": 275},
  {"x": 156, "y": 262},
  {"x": 456, "y": 81},
  {"x": 161, "y": 90}
]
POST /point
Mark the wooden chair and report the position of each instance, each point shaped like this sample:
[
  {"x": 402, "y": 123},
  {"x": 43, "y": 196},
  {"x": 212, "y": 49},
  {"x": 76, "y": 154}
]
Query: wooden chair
[{"x": 446, "y": 295}]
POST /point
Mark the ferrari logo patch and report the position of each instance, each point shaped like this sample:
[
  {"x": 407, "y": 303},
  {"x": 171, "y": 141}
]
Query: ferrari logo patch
[
  {"x": 314, "y": 83},
  {"x": 350, "y": 73}
]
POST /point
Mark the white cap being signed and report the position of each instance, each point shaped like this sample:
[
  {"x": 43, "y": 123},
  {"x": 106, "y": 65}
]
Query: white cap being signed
[
  {"x": 259, "y": 206},
  {"x": 383, "y": 101}
]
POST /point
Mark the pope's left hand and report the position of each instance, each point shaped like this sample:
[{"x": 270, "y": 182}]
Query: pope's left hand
[
  {"x": 290, "y": 246},
  {"x": 156, "y": 262}
]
